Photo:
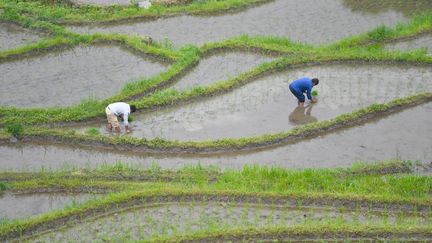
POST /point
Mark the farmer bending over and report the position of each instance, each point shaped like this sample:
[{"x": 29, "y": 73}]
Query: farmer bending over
[
  {"x": 303, "y": 85},
  {"x": 118, "y": 109}
]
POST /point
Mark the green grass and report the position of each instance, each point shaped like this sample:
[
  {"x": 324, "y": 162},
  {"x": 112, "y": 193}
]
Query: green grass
[{"x": 62, "y": 13}]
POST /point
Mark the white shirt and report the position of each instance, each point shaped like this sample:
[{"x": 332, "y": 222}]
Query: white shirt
[{"x": 120, "y": 108}]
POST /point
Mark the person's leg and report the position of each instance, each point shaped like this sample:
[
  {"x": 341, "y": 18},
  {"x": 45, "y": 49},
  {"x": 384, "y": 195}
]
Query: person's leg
[
  {"x": 299, "y": 95},
  {"x": 112, "y": 120}
]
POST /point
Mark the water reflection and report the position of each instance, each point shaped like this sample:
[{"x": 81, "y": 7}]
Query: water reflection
[
  {"x": 302, "y": 115},
  {"x": 408, "y": 8}
]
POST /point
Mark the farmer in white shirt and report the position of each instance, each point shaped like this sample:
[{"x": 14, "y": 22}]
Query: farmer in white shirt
[{"x": 118, "y": 109}]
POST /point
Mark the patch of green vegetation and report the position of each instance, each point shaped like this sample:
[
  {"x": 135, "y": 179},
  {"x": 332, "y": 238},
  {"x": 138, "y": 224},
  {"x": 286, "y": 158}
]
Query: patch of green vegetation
[
  {"x": 92, "y": 131},
  {"x": 314, "y": 93},
  {"x": 3, "y": 186},
  {"x": 15, "y": 129}
]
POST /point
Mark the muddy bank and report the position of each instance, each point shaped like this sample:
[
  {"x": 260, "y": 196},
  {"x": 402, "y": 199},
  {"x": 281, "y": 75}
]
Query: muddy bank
[
  {"x": 219, "y": 67},
  {"x": 178, "y": 217},
  {"x": 15, "y": 206},
  {"x": 279, "y": 18},
  {"x": 267, "y": 106},
  {"x": 417, "y": 43},
  {"x": 97, "y": 71},
  {"x": 404, "y": 135},
  {"x": 12, "y": 36}
]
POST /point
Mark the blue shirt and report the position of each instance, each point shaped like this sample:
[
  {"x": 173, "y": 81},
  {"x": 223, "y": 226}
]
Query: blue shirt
[{"x": 303, "y": 85}]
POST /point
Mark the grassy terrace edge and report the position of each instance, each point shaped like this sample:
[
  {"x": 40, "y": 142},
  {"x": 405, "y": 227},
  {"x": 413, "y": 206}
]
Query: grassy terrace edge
[
  {"x": 317, "y": 231},
  {"x": 222, "y": 145},
  {"x": 135, "y": 198},
  {"x": 124, "y": 172},
  {"x": 64, "y": 14}
]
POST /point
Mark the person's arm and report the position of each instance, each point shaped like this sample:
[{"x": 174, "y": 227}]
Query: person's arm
[
  {"x": 126, "y": 121},
  {"x": 309, "y": 92}
]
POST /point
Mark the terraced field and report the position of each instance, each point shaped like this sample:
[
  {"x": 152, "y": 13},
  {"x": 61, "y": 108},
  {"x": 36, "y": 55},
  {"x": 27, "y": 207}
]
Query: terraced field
[{"x": 219, "y": 150}]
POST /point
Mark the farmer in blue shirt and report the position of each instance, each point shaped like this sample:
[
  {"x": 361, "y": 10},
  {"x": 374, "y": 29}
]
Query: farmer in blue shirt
[{"x": 303, "y": 85}]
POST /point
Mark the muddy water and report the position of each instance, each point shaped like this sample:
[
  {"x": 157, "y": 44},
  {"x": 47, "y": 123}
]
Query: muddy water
[
  {"x": 190, "y": 217},
  {"x": 309, "y": 21},
  {"x": 81, "y": 73},
  {"x": 267, "y": 106},
  {"x": 418, "y": 43},
  {"x": 12, "y": 36},
  {"x": 14, "y": 206},
  {"x": 220, "y": 66},
  {"x": 405, "y": 135}
]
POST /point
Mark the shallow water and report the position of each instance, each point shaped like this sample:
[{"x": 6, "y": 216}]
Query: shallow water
[
  {"x": 220, "y": 66},
  {"x": 309, "y": 21},
  {"x": 267, "y": 106},
  {"x": 66, "y": 77},
  {"x": 192, "y": 216},
  {"x": 14, "y": 206},
  {"x": 405, "y": 135},
  {"x": 12, "y": 36},
  {"x": 418, "y": 43}
]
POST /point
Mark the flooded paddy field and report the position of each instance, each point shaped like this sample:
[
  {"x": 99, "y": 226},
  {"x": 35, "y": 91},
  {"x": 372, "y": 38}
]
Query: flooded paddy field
[
  {"x": 219, "y": 67},
  {"x": 23, "y": 205},
  {"x": 404, "y": 135},
  {"x": 276, "y": 18},
  {"x": 12, "y": 36},
  {"x": 423, "y": 42},
  {"x": 91, "y": 72},
  {"x": 267, "y": 106},
  {"x": 178, "y": 217}
]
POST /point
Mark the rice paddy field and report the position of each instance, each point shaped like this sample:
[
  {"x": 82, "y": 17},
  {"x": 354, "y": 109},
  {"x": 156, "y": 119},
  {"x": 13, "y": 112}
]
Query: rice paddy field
[{"x": 219, "y": 151}]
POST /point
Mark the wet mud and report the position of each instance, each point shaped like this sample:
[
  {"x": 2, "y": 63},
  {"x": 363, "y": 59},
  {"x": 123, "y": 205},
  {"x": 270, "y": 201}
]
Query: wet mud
[
  {"x": 277, "y": 18},
  {"x": 171, "y": 218},
  {"x": 423, "y": 42},
  {"x": 18, "y": 206},
  {"x": 81, "y": 73},
  {"x": 220, "y": 67},
  {"x": 12, "y": 36},
  {"x": 267, "y": 106},
  {"x": 404, "y": 135}
]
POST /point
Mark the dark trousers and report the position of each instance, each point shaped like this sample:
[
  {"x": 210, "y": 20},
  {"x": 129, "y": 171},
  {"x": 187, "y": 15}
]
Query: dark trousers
[{"x": 297, "y": 93}]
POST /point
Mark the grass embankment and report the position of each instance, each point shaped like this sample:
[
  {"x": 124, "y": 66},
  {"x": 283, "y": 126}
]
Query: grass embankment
[
  {"x": 418, "y": 25},
  {"x": 360, "y": 116},
  {"x": 325, "y": 231},
  {"x": 65, "y": 13},
  {"x": 361, "y": 186}
]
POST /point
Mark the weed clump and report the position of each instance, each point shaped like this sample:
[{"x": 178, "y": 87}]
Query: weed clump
[
  {"x": 16, "y": 129},
  {"x": 381, "y": 33},
  {"x": 3, "y": 186},
  {"x": 314, "y": 93},
  {"x": 93, "y": 131}
]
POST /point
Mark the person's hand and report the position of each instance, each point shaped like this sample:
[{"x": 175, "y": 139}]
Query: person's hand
[{"x": 314, "y": 100}]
